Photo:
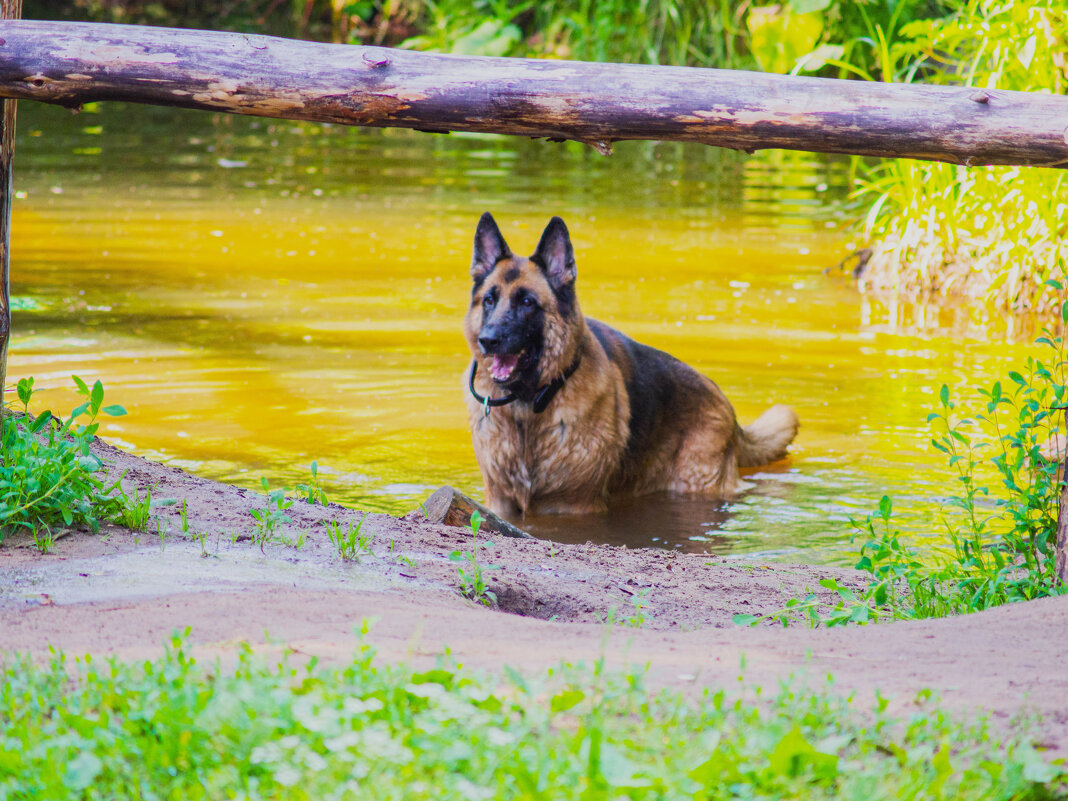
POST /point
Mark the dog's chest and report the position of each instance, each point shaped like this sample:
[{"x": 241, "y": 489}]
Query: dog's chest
[
  {"x": 533, "y": 458},
  {"x": 522, "y": 452}
]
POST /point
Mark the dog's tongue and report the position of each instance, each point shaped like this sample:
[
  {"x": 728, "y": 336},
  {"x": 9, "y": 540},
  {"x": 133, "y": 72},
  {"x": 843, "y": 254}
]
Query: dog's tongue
[{"x": 502, "y": 366}]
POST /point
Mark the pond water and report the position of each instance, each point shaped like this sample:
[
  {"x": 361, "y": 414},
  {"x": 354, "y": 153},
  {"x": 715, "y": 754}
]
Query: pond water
[{"x": 260, "y": 294}]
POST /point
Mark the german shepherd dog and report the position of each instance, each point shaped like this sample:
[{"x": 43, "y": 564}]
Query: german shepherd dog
[{"x": 568, "y": 413}]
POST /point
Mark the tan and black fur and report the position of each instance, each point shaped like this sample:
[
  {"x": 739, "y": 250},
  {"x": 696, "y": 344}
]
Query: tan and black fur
[{"x": 629, "y": 420}]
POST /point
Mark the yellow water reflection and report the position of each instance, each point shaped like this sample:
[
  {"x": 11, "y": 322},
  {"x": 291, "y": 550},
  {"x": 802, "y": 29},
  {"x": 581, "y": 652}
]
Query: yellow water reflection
[{"x": 258, "y": 306}]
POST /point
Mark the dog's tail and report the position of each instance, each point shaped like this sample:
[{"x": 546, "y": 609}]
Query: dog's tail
[{"x": 765, "y": 440}]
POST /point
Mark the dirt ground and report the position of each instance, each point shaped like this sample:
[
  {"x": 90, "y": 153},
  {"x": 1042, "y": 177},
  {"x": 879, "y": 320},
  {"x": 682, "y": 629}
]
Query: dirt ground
[{"x": 123, "y": 594}]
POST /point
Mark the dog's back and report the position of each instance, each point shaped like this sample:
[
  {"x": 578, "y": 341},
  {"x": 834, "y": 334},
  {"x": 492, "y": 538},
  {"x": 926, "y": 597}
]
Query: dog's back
[{"x": 673, "y": 409}]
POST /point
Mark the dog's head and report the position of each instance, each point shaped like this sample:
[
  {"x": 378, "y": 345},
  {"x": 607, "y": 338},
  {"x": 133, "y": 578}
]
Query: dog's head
[{"x": 522, "y": 324}]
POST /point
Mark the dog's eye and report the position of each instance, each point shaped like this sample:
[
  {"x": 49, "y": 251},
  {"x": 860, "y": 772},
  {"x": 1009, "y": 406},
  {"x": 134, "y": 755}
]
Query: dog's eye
[
  {"x": 528, "y": 301},
  {"x": 489, "y": 301}
]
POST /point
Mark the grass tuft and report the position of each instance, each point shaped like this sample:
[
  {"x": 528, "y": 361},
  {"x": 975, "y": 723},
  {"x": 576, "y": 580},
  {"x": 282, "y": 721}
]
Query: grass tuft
[{"x": 350, "y": 544}]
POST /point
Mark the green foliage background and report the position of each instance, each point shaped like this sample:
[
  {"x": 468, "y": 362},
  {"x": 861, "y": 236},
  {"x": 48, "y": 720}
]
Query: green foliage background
[{"x": 711, "y": 33}]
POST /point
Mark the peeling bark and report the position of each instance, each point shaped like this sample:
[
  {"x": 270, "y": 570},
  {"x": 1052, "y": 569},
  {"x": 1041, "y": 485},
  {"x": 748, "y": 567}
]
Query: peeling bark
[{"x": 74, "y": 63}]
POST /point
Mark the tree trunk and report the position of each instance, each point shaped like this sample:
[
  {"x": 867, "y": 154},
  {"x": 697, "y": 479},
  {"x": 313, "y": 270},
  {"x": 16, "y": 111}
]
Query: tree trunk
[
  {"x": 9, "y": 10},
  {"x": 73, "y": 63}
]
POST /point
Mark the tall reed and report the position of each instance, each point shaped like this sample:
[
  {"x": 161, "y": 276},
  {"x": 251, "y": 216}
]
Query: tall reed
[{"x": 995, "y": 236}]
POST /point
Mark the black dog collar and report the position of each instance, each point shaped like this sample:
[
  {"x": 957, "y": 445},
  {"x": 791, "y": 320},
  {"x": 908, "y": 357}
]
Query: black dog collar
[{"x": 542, "y": 398}]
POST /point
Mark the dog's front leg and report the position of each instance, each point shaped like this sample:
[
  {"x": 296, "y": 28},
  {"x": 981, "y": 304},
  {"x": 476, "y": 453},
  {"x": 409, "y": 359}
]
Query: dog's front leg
[{"x": 502, "y": 504}]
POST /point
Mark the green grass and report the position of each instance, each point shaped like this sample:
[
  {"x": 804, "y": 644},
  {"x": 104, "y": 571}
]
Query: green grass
[
  {"x": 169, "y": 728},
  {"x": 134, "y": 511}
]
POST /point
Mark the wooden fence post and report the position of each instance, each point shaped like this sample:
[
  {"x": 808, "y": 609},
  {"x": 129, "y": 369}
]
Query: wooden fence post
[
  {"x": 9, "y": 9},
  {"x": 1060, "y": 563},
  {"x": 71, "y": 63}
]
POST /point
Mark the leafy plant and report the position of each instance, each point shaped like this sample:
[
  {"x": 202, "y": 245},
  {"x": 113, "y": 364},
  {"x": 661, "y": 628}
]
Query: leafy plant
[
  {"x": 48, "y": 474},
  {"x": 780, "y": 34},
  {"x": 472, "y": 579},
  {"x": 400, "y": 558},
  {"x": 350, "y": 544},
  {"x": 313, "y": 491},
  {"x": 271, "y": 516},
  {"x": 639, "y": 602}
]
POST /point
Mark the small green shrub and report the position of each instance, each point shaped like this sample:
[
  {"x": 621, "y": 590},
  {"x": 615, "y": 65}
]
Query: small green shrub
[
  {"x": 999, "y": 518},
  {"x": 49, "y": 478},
  {"x": 271, "y": 516},
  {"x": 850, "y": 608},
  {"x": 1001, "y": 522}
]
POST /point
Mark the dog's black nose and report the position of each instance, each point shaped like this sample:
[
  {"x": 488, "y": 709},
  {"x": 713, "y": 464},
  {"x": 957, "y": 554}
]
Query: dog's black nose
[{"x": 489, "y": 344}]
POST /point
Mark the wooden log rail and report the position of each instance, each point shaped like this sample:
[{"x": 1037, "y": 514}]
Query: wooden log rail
[{"x": 73, "y": 63}]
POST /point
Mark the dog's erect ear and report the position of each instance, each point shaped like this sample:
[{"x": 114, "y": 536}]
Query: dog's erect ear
[
  {"x": 555, "y": 254},
  {"x": 490, "y": 247}
]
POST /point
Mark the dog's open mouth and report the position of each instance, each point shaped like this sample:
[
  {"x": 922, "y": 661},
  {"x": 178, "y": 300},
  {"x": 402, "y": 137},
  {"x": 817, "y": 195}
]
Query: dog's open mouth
[{"x": 504, "y": 366}]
